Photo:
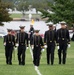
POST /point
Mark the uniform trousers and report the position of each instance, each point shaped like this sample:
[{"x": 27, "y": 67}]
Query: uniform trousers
[
  {"x": 62, "y": 51},
  {"x": 8, "y": 54},
  {"x": 21, "y": 54},
  {"x": 50, "y": 53},
  {"x": 36, "y": 55}
]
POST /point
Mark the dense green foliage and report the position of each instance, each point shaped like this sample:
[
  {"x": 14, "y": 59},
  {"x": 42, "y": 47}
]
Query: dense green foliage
[
  {"x": 4, "y": 15},
  {"x": 62, "y": 10},
  {"x": 23, "y": 5}
]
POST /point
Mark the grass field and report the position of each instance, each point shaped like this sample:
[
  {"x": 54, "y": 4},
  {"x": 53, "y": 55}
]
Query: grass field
[
  {"x": 45, "y": 69},
  {"x": 16, "y": 15},
  {"x": 26, "y": 16}
]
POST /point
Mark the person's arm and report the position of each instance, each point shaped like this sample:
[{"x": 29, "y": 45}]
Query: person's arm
[
  {"x": 32, "y": 40},
  {"x": 41, "y": 41},
  {"x": 57, "y": 37},
  {"x": 33, "y": 30},
  {"x": 45, "y": 38},
  {"x": 17, "y": 35},
  {"x": 27, "y": 39},
  {"x": 68, "y": 37},
  {"x": 4, "y": 41},
  {"x": 14, "y": 40},
  {"x": 17, "y": 40}
]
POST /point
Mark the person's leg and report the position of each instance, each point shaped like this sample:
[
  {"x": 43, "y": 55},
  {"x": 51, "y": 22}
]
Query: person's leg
[
  {"x": 34, "y": 56},
  {"x": 23, "y": 55},
  {"x": 19, "y": 55},
  {"x": 52, "y": 53},
  {"x": 38, "y": 56},
  {"x": 6, "y": 54},
  {"x": 48, "y": 60},
  {"x": 10, "y": 55},
  {"x": 64, "y": 53}
]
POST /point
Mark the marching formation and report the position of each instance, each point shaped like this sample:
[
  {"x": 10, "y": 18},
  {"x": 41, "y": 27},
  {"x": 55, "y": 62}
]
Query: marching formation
[{"x": 52, "y": 38}]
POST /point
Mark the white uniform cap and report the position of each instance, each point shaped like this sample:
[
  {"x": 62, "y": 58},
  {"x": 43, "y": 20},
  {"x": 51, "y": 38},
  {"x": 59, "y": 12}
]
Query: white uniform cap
[
  {"x": 62, "y": 22},
  {"x": 50, "y": 23}
]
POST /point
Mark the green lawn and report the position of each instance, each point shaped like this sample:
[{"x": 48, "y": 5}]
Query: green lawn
[
  {"x": 45, "y": 69},
  {"x": 26, "y": 16},
  {"x": 16, "y": 15}
]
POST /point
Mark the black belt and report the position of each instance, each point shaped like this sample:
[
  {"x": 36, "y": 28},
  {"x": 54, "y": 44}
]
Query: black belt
[
  {"x": 9, "y": 41},
  {"x": 21, "y": 44},
  {"x": 63, "y": 39},
  {"x": 51, "y": 41},
  {"x": 37, "y": 45}
]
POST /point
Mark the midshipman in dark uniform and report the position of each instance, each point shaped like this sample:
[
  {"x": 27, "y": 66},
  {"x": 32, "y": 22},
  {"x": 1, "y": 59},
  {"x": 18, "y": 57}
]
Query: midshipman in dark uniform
[
  {"x": 9, "y": 43},
  {"x": 37, "y": 45},
  {"x": 49, "y": 41},
  {"x": 31, "y": 30},
  {"x": 22, "y": 43},
  {"x": 63, "y": 40}
]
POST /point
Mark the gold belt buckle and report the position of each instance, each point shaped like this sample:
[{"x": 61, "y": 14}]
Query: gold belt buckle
[
  {"x": 36, "y": 45},
  {"x": 62, "y": 38},
  {"x": 50, "y": 41},
  {"x": 9, "y": 41}
]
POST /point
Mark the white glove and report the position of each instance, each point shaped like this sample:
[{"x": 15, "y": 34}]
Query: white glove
[
  {"x": 29, "y": 42},
  {"x": 57, "y": 47},
  {"x": 4, "y": 43},
  {"x": 32, "y": 47},
  {"x": 45, "y": 46},
  {"x": 27, "y": 47},
  {"x": 15, "y": 48},
  {"x": 17, "y": 45},
  {"x": 69, "y": 45},
  {"x": 43, "y": 50}
]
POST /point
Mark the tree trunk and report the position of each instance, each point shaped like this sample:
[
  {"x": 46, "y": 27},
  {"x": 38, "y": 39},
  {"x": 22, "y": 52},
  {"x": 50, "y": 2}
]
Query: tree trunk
[{"x": 23, "y": 14}]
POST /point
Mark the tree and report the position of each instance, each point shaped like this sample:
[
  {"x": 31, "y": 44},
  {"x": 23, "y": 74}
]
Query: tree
[
  {"x": 39, "y": 4},
  {"x": 63, "y": 10},
  {"x": 4, "y": 15},
  {"x": 9, "y": 3},
  {"x": 22, "y": 6}
]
